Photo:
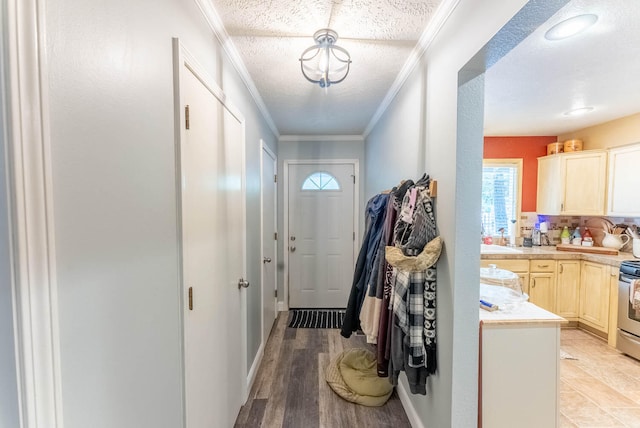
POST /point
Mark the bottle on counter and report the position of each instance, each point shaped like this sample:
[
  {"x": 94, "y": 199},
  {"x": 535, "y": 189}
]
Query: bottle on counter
[
  {"x": 576, "y": 238},
  {"x": 565, "y": 236},
  {"x": 587, "y": 239}
]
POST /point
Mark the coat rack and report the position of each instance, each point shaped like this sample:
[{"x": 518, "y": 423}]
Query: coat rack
[{"x": 433, "y": 188}]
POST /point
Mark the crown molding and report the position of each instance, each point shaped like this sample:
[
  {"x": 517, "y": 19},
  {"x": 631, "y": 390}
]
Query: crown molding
[
  {"x": 428, "y": 35},
  {"x": 215, "y": 23},
  {"x": 309, "y": 138}
]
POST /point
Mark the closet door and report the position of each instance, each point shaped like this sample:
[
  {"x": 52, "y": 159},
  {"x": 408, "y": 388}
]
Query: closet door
[{"x": 212, "y": 231}]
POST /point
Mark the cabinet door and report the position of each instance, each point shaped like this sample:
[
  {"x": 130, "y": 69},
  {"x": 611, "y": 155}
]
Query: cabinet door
[
  {"x": 594, "y": 295},
  {"x": 549, "y": 187},
  {"x": 613, "y": 305},
  {"x": 584, "y": 177},
  {"x": 518, "y": 266},
  {"x": 568, "y": 289},
  {"x": 624, "y": 181},
  {"x": 542, "y": 290}
]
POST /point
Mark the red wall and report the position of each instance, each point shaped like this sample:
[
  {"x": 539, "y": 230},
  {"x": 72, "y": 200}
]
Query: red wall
[{"x": 527, "y": 148}]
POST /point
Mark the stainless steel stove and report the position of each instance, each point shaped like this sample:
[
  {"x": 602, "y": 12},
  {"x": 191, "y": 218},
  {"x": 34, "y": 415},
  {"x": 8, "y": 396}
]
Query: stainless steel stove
[{"x": 628, "y": 340}]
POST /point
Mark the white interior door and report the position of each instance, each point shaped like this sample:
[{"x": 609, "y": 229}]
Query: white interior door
[
  {"x": 212, "y": 255},
  {"x": 321, "y": 234},
  {"x": 269, "y": 242}
]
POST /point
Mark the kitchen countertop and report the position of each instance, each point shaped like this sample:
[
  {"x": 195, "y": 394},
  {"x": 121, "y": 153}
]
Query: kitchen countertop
[
  {"x": 550, "y": 252},
  {"x": 522, "y": 314}
]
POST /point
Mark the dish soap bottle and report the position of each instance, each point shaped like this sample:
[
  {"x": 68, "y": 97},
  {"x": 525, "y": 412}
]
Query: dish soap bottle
[
  {"x": 565, "y": 236},
  {"x": 576, "y": 238}
]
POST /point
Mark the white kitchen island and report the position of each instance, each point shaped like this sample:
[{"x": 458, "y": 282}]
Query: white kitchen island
[{"x": 519, "y": 368}]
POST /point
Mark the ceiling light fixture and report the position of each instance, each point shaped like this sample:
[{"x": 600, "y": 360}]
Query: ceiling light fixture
[
  {"x": 578, "y": 111},
  {"x": 325, "y": 63},
  {"x": 571, "y": 27}
]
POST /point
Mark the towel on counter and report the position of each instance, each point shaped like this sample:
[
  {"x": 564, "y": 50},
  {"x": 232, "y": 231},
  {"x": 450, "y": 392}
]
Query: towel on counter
[{"x": 634, "y": 294}]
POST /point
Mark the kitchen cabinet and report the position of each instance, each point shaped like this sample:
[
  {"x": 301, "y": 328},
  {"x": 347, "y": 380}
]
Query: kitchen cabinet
[
  {"x": 542, "y": 284},
  {"x": 519, "y": 368},
  {"x": 568, "y": 289},
  {"x": 594, "y": 295},
  {"x": 517, "y": 266},
  {"x": 572, "y": 183},
  {"x": 613, "y": 305},
  {"x": 624, "y": 181}
]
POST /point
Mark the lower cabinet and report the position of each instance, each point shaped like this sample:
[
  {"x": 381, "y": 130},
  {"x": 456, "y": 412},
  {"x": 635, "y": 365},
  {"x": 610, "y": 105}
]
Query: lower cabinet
[
  {"x": 568, "y": 289},
  {"x": 576, "y": 290},
  {"x": 613, "y": 306},
  {"x": 594, "y": 295},
  {"x": 542, "y": 284},
  {"x": 517, "y": 266},
  {"x": 519, "y": 370}
]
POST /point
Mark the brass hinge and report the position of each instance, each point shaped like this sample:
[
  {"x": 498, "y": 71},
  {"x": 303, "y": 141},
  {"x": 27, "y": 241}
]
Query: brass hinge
[
  {"x": 190, "y": 298},
  {"x": 186, "y": 116},
  {"x": 354, "y": 236},
  {"x": 275, "y": 178},
  {"x": 354, "y": 179},
  {"x": 275, "y": 236},
  {"x": 275, "y": 293}
]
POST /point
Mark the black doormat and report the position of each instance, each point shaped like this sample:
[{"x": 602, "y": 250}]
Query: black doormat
[{"x": 316, "y": 318}]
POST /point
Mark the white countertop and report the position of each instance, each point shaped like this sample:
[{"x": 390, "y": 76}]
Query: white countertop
[{"x": 524, "y": 313}]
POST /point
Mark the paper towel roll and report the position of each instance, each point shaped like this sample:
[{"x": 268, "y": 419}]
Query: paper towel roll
[{"x": 543, "y": 227}]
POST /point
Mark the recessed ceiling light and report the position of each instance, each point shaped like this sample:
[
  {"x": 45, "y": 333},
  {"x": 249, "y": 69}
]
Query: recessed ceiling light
[
  {"x": 578, "y": 111},
  {"x": 570, "y": 27}
]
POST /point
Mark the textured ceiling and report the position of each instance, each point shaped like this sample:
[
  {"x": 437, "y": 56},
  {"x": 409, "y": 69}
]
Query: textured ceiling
[
  {"x": 271, "y": 35},
  {"x": 526, "y": 92},
  {"x": 529, "y": 89}
]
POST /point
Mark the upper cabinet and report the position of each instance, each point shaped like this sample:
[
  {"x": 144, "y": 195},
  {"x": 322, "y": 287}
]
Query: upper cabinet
[
  {"x": 624, "y": 181},
  {"x": 572, "y": 183}
]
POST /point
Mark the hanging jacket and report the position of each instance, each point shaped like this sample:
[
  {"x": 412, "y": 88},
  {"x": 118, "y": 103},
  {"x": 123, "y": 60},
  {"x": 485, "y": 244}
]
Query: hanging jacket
[
  {"x": 413, "y": 338},
  {"x": 374, "y": 219}
]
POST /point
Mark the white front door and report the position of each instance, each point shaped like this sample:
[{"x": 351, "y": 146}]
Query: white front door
[
  {"x": 212, "y": 212},
  {"x": 269, "y": 242},
  {"x": 321, "y": 234}
]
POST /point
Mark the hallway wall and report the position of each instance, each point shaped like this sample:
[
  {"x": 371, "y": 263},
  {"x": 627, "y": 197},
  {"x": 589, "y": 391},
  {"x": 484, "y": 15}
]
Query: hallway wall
[
  {"x": 112, "y": 140},
  {"x": 314, "y": 150},
  {"x": 431, "y": 119}
]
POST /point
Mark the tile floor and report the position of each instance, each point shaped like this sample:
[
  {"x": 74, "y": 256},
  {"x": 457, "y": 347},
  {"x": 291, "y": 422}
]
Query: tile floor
[{"x": 601, "y": 387}]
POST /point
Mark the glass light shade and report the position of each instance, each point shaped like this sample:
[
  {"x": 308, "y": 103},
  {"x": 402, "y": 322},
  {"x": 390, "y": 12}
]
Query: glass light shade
[
  {"x": 571, "y": 27},
  {"x": 579, "y": 111},
  {"x": 325, "y": 63}
]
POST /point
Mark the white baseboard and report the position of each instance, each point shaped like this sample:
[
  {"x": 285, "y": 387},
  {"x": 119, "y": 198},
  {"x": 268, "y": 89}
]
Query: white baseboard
[
  {"x": 282, "y": 307},
  {"x": 253, "y": 371},
  {"x": 411, "y": 412}
]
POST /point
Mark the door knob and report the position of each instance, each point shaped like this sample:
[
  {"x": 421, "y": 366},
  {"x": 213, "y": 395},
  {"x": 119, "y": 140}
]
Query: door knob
[
  {"x": 266, "y": 260},
  {"x": 293, "y": 249},
  {"x": 243, "y": 283}
]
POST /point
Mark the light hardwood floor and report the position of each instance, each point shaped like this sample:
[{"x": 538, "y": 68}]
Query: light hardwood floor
[
  {"x": 290, "y": 390},
  {"x": 601, "y": 388}
]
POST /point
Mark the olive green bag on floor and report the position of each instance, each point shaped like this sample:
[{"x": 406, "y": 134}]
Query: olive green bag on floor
[{"x": 353, "y": 376}]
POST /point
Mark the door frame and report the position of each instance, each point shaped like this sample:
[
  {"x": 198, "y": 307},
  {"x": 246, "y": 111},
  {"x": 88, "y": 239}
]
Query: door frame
[
  {"x": 182, "y": 57},
  {"x": 29, "y": 194},
  {"x": 264, "y": 148},
  {"x": 356, "y": 211}
]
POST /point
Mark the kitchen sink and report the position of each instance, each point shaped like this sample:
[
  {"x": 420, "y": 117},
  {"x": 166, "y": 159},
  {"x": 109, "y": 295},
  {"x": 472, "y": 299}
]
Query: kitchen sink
[{"x": 498, "y": 249}]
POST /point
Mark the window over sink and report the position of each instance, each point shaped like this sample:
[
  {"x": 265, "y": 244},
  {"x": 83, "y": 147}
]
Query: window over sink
[{"x": 501, "y": 195}]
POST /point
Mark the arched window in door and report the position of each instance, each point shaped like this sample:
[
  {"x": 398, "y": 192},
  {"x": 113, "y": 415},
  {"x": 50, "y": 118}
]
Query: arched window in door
[{"x": 321, "y": 181}]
